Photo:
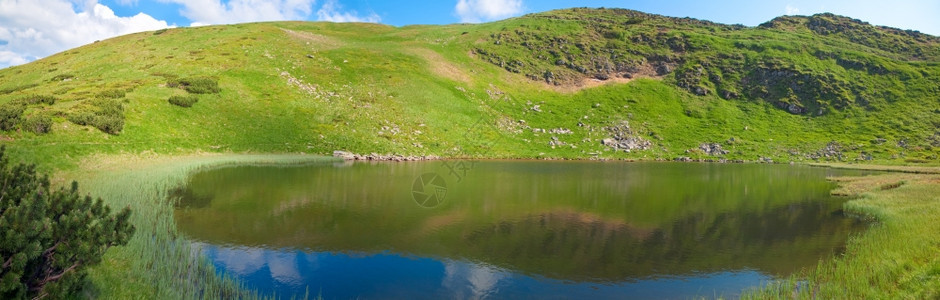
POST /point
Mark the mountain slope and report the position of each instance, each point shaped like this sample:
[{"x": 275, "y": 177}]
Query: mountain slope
[{"x": 575, "y": 83}]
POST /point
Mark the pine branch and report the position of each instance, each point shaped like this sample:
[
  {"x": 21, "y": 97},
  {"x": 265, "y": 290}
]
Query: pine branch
[
  {"x": 57, "y": 276},
  {"x": 42, "y": 283},
  {"x": 48, "y": 252},
  {"x": 40, "y": 296},
  {"x": 7, "y": 263}
]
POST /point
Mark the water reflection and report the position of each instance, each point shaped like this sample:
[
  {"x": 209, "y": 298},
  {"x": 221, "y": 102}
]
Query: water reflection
[
  {"x": 390, "y": 276},
  {"x": 471, "y": 281},
  {"x": 515, "y": 229}
]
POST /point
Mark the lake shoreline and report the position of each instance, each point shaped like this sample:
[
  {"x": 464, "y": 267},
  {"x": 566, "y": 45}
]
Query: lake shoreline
[
  {"x": 106, "y": 170},
  {"x": 894, "y": 258},
  {"x": 158, "y": 261},
  {"x": 351, "y": 156}
]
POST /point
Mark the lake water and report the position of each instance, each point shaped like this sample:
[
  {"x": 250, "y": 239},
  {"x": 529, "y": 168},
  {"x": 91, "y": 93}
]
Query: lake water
[{"x": 513, "y": 229}]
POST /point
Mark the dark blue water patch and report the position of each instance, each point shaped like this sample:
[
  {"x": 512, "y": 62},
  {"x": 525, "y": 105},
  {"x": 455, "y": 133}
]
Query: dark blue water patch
[{"x": 288, "y": 272}]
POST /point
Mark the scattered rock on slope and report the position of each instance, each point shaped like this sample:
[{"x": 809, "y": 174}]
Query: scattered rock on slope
[
  {"x": 833, "y": 150},
  {"x": 713, "y": 149},
  {"x": 624, "y": 138}
]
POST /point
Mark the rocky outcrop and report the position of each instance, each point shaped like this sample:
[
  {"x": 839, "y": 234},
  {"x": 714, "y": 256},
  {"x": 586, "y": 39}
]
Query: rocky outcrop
[
  {"x": 624, "y": 138},
  {"x": 555, "y": 142},
  {"x": 713, "y": 149},
  {"x": 832, "y": 151},
  {"x": 797, "y": 91},
  {"x": 626, "y": 144},
  {"x": 934, "y": 140},
  {"x": 708, "y": 160},
  {"x": 344, "y": 155}
]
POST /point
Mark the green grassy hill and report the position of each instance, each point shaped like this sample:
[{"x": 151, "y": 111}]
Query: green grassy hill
[{"x": 576, "y": 83}]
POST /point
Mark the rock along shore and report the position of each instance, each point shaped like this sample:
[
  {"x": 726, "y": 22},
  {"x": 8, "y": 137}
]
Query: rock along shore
[{"x": 383, "y": 157}]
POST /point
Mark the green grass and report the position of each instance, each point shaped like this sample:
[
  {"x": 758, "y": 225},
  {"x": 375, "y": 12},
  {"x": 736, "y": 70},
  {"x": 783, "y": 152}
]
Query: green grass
[
  {"x": 896, "y": 258},
  {"x": 918, "y": 169}
]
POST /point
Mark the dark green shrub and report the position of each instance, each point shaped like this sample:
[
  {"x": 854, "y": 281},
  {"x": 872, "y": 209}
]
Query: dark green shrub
[
  {"x": 17, "y": 88},
  {"x": 201, "y": 86},
  {"x": 112, "y": 124},
  {"x": 11, "y": 114},
  {"x": 110, "y": 116},
  {"x": 82, "y": 117},
  {"x": 38, "y": 99},
  {"x": 113, "y": 94},
  {"x": 105, "y": 114},
  {"x": 195, "y": 85},
  {"x": 108, "y": 106},
  {"x": 45, "y": 99},
  {"x": 51, "y": 236},
  {"x": 38, "y": 124},
  {"x": 172, "y": 82},
  {"x": 161, "y": 31},
  {"x": 183, "y": 101}
]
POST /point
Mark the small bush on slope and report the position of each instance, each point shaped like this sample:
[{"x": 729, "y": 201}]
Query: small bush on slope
[{"x": 183, "y": 101}]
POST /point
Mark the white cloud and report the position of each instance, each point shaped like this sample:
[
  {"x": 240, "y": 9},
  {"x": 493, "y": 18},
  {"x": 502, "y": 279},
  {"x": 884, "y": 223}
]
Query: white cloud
[
  {"x": 214, "y": 12},
  {"x": 239, "y": 260},
  {"x": 206, "y": 12},
  {"x": 475, "y": 11},
  {"x": 32, "y": 29},
  {"x": 330, "y": 11},
  {"x": 10, "y": 58},
  {"x": 792, "y": 10},
  {"x": 283, "y": 267},
  {"x": 470, "y": 280}
]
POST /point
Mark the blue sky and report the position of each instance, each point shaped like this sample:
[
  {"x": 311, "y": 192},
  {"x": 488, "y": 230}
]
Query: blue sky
[
  {"x": 918, "y": 15},
  {"x": 32, "y": 29}
]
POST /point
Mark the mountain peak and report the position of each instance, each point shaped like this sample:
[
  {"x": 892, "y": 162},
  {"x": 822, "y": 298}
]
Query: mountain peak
[{"x": 910, "y": 44}]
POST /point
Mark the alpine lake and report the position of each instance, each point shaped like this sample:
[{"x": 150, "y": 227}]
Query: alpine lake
[{"x": 513, "y": 229}]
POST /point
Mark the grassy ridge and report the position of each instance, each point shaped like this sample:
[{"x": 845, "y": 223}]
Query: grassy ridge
[{"x": 452, "y": 91}]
